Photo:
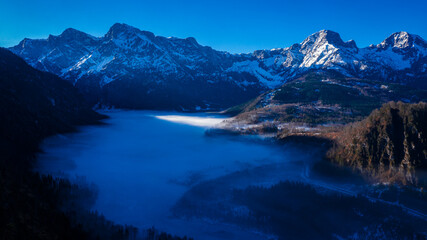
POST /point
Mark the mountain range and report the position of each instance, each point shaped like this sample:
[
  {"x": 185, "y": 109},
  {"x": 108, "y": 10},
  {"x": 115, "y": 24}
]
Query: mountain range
[{"x": 130, "y": 68}]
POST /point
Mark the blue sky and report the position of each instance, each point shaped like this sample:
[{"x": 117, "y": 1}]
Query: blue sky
[{"x": 235, "y": 26}]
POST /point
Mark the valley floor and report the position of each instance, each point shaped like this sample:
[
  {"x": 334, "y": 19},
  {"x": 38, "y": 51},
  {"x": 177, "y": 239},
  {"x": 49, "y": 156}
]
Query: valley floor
[{"x": 186, "y": 179}]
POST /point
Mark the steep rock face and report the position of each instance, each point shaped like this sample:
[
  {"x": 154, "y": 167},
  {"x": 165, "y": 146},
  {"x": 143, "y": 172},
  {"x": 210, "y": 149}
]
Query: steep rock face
[
  {"x": 177, "y": 73},
  {"x": 56, "y": 53},
  {"x": 402, "y": 57},
  {"x": 182, "y": 74},
  {"x": 389, "y": 145}
]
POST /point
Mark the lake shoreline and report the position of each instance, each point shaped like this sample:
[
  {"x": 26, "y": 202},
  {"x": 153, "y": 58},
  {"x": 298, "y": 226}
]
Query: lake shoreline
[{"x": 133, "y": 145}]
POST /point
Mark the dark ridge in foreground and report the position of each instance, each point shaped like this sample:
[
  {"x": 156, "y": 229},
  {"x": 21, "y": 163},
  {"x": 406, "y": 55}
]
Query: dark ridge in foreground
[
  {"x": 33, "y": 106},
  {"x": 290, "y": 210}
]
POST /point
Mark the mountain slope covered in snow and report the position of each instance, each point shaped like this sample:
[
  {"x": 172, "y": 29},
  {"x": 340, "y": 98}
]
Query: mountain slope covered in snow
[{"x": 130, "y": 68}]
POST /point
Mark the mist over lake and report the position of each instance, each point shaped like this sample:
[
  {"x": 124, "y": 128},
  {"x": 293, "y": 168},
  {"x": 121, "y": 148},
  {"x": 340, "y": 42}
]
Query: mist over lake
[
  {"x": 142, "y": 162},
  {"x": 198, "y": 120},
  {"x": 167, "y": 170}
]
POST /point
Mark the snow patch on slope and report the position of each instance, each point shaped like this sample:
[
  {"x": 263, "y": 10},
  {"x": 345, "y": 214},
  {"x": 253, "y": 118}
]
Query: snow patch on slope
[{"x": 252, "y": 67}]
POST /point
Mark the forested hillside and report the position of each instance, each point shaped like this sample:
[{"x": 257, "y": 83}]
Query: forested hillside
[
  {"x": 35, "y": 105},
  {"x": 389, "y": 145}
]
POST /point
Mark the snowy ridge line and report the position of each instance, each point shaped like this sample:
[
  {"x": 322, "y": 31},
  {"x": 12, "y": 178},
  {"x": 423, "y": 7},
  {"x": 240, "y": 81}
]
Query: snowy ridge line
[{"x": 126, "y": 53}]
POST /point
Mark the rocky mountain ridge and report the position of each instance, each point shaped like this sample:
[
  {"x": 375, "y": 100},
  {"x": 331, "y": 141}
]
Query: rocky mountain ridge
[
  {"x": 131, "y": 68},
  {"x": 388, "y": 146}
]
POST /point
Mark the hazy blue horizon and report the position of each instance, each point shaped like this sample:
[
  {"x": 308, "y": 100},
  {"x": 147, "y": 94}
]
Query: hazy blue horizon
[{"x": 234, "y": 26}]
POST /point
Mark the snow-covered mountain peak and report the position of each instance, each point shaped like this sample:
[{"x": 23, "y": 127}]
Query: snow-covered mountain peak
[
  {"x": 121, "y": 27},
  {"x": 326, "y": 37},
  {"x": 128, "y": 38},
  {"x": 402, "y": 40},
  {"x": 125, "y": 32},
  {"x": 326, "y": 49},
  {"x": 28, "y": 43},
  {"x": 398, "y": 40},
  {"x": 71, "y": 34},
  {"x": 128, "y": 58},
  {"x": 192, "y": 40},
  {"x": 351, "y": 43}
]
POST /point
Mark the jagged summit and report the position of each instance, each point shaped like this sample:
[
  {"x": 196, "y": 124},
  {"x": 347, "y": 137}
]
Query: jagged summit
[
  {"x": 402, "y": 40},
  {"x": 127, "y": 58},
  {"x": 124, "y": 31},
  {"x": 120, "y": 28},
  {"x": 398, "y": 39},
  {"x": 71, "y": 34},
  {"x": 71, "y": 31},
  {"x": 327, "y": 36},
  {"x": 192, "y": 40}
]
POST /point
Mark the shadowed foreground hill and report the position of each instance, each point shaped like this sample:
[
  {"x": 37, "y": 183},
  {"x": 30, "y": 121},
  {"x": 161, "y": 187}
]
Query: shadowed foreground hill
[
  {"x": 390, "y": 145},
  {"x": 35, "y": 104}
]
